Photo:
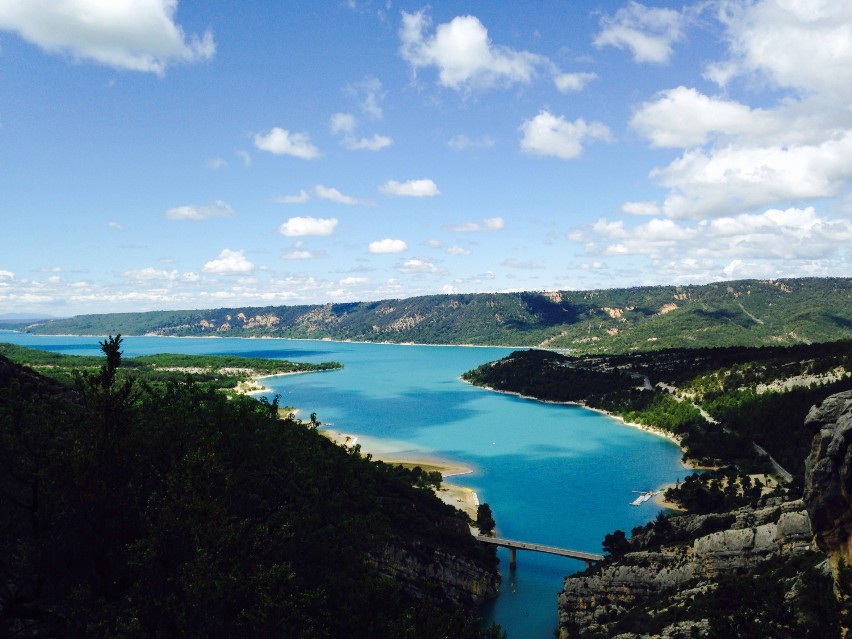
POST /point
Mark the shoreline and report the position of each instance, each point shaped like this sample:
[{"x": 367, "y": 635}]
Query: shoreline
[
  {"x": 292, "y": 339},
  {"x": 658, "y": 499},
  {"x": 452, "y": 494},
  {"x": 648, "y": 429},
  {"x": 456, "y": 495},
  {"x": 254, "y": 387}
]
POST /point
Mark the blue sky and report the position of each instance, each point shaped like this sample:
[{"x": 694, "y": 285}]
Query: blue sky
[{"x": 162, "y": 154}]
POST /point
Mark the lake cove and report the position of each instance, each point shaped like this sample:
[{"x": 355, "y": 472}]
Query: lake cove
[{"x": 555, "y": 475}]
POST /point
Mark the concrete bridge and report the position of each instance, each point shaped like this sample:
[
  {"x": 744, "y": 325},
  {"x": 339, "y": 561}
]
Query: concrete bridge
[{"x": 513, "y": 546}]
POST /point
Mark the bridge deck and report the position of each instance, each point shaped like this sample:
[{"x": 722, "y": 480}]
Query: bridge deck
[{"x": 553, "y": 550}]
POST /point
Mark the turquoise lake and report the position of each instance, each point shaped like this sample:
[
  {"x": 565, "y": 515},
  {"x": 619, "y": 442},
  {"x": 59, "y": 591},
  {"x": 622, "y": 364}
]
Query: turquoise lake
[{"x": 552, "y": 474}]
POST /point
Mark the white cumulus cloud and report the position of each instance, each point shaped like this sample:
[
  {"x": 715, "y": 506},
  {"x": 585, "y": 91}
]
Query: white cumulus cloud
[
  {"x": 302, "y": 226},
  {"x": 138, "y": 35},
  {"x": 683, "y": 117},
  {"x": 298, "y": 252},
  {"x": 345, "y": 124},
  {"x": 229, "y": 263},
  {"x": 738, "y": 158},
  {"x": 805, "y": 44},
  {"x": 333, "y": 195},
  {"x": 387, "y": 246},
  {"x": 784, "y": 240},
  {"x": 416, "y": 265},
  {"x": 567, "y": 82},
  {"x": 648, "y": 33},
  {"x": 464, "y": 54},
  {"x": 743, "y": 178},
  {"x": 282, "y": 142},
  {"x": 411, "y": 188},
  {"x": 547, "y": 134}
]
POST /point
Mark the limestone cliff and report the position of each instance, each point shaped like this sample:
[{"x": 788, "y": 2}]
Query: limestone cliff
[
  {"x": 828, "y": 476},
  {"x": 723, "y": 544}
]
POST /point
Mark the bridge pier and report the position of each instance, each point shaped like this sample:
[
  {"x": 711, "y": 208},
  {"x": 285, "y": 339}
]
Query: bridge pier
[{"x": 513, "y": 559}]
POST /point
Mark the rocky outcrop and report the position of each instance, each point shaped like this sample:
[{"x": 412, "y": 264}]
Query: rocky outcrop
[
  {"x": 828, "y": 476},
  {"x": 720, "y": 545},
  {"x": 437, "y": 574}
]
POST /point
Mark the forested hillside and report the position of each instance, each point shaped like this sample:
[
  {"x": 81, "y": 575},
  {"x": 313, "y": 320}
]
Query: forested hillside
[
  {"x": 214, "y": 371},
  {"x": 739, "y": 313},
  {"x": 166, "y": 508},
  {"x": 716, "y": 402}
]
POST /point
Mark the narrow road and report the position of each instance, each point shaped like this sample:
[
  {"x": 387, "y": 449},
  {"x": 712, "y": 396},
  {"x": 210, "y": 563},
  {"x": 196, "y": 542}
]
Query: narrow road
[
  {"x": 778, "y": 468},
  {"x": 775, "y": 465}
]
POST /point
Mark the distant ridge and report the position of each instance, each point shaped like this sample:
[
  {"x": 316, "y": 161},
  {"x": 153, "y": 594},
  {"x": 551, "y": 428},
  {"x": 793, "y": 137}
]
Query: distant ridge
[
  {"x": 25, "y": 317},
  {"x": 734, "y": 313}
]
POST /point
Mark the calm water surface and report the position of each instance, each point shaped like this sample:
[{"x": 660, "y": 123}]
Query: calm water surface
[{"x": 557, "y": 475}]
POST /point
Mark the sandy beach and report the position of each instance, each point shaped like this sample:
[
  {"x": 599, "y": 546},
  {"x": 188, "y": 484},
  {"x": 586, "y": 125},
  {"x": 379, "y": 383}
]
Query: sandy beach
[
  {"x": 661, "y": 501},
  {"x": 392, "y": 452},
  {"x": 254, "y": 386}
]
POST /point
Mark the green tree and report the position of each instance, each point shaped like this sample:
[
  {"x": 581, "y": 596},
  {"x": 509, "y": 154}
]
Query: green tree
[
  {"x": 485, "y": 519},
  {"x": 616, "y": 544}
]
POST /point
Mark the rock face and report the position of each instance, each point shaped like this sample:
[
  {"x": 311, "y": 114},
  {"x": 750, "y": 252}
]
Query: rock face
[
  {"x": 828, "y": 476},
  {"x": 733, "y": 542},
  {"x": 438, "y": 575}
]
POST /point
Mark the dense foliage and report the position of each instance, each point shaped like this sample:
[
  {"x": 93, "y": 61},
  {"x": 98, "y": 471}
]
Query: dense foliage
[
  {"x": 550, "y": 377},
  {"x": 132, "y": 509},
  {"x": 716, "y": 491},
  {"x": 220, "y": 371},
  {"x": 737, "y": 313}
]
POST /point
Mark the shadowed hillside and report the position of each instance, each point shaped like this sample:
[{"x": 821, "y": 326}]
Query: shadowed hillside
[{"x": 172, "y": 509}]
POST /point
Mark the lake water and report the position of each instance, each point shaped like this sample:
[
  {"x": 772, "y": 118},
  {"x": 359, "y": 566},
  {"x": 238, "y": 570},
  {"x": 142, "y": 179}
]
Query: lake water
[{"x": 556, "y": 475}]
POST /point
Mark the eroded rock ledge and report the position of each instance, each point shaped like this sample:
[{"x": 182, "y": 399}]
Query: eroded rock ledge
[{"x": 740, "y": 540}]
